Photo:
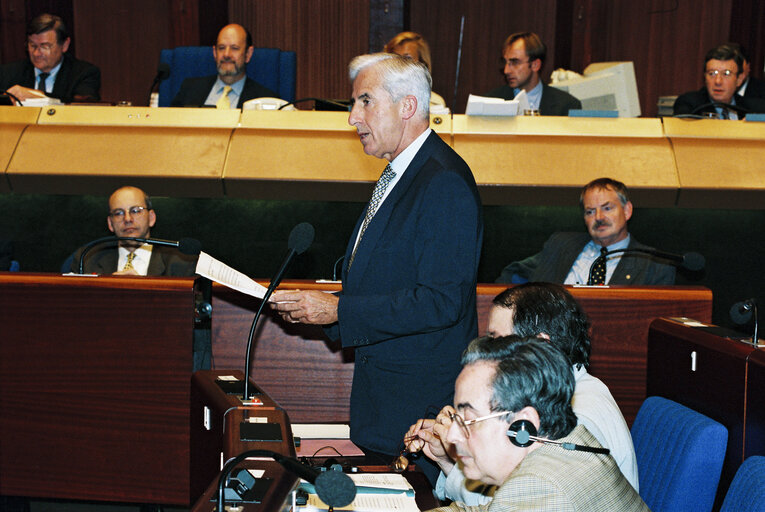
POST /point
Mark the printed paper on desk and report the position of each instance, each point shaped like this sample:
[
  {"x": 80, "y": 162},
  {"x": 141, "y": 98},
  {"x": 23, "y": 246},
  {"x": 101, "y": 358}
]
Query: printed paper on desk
[{"x": 217, "y": 271}]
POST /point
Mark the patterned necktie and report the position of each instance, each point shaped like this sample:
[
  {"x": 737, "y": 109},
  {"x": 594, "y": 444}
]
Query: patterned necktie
[
  {"x": 599, "y": 269},
  {"x": 374, "y": 203},
  {"x": 129, "y": 262},
  {"x": 223, "y": 101},
  {"x": 41, "y": 78}
]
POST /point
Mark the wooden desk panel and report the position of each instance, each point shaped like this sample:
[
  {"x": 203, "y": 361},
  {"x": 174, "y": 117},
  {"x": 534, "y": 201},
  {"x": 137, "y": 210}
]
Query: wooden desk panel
[{"x": 311, "y": 377}]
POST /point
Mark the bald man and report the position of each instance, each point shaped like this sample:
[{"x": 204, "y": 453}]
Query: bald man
[
  {"x": 231, "y": 87},
  {"x": 131, "y": 215}
]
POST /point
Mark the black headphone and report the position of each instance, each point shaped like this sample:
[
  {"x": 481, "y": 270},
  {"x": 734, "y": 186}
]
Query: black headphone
[{"x": 523, "y": 433}]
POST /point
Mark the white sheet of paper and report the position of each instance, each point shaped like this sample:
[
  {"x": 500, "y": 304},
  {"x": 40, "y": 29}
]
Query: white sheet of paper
[
  {"x": 217, "y": 271},
  {"x": 486, "y": 106}
]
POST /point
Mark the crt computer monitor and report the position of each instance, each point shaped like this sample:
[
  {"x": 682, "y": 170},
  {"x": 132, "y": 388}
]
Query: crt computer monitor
[{"x": 605, "y": 86}]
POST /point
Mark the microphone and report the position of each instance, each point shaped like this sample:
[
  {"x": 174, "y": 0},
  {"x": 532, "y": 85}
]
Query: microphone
[
  {"x": 742, "y": 312},
  {"x": 334, "y": 103},
  {"x": 459, "y": 59},
  {"x": 188, "y": 246},
  {"x": 714, "y": 104},
  {"x": 163, "y": 72},
  {"x": 690, "y": 261},
  {"x": 334, "y": 488},
  {"x": 300, "y": 239}
]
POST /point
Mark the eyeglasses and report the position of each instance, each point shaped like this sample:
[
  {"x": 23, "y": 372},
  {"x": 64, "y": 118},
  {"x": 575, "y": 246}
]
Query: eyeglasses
[
  {"x": 714, "y": 73},
  {"x": 134, "y": 211},
  {"x": 463, "y": 424},
  {"x": 514, "y": 63},
  {"x": 44, "y": 47}
]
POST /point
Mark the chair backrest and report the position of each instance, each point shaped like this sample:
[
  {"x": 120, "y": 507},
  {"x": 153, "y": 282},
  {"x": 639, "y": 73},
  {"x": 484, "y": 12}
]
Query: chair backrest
[
  {"x": 271, "y": 67},
  {"x": 747, "y": 491},
  {"x": 679, "y": 456}
]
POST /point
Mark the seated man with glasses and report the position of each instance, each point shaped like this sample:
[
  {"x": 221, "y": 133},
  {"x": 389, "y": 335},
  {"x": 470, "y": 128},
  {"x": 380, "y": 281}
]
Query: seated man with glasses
[
  {"x": 547, "y": 311},
  {"x": 512, "y": 416},
  {"x": 50, "y": 70},
  {"x": 723, "y": 74},
  {"x": 524, "y": 55},
  {"x": 131, "y": 215}
]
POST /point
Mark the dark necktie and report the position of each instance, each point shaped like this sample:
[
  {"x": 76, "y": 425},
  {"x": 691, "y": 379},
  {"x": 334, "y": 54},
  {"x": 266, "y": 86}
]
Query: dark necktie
[
  {"x": 374, "y": 203},
  {"x": 41, "y": 81},
  {"x": 599, "y": 269}
]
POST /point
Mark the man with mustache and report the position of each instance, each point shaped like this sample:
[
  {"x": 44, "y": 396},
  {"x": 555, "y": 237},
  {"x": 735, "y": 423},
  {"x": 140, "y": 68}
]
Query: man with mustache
[
  {"x": 567, "y": 257},
  {"x": 231, "y": 87}
]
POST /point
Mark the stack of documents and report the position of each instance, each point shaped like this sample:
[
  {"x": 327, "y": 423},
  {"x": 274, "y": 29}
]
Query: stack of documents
[{"x": 375, "y": 492}]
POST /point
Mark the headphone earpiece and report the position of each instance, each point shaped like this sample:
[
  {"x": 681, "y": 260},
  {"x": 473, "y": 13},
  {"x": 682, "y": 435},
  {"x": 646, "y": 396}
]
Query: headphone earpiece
[{"x": 521, "y": 433}]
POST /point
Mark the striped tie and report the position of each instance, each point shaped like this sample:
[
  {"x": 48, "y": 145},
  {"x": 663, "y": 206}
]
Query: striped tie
[{"x": 374, "y": 203}]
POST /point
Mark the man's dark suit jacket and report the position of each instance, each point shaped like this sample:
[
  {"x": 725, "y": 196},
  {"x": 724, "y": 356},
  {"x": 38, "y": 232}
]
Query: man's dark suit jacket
[
  {"x": 688, "y": 102},
  {"x": 561, "y": 250},
  {"x": 194, "y": 92},
  {"x": 554, "y": 102},
  {"x": 755, "y": 88},
  {"x": 165, "y": 261},
  {"x": 408, "y": 304},
  {"x": 75, "y": 78}
]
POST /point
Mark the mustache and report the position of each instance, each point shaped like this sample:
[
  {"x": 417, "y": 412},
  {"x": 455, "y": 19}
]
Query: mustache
[{"x": 601, "y": 223}]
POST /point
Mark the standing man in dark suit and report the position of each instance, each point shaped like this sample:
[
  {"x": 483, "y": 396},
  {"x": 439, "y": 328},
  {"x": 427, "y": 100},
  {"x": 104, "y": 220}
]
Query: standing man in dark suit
[
  {"x": 524, "y": 55},
  {"x": 231, "y": 87},
  {"x": 566, "y": 258},
  {"x": 50, "y": 70},
  {"x": 131, "y": 215},
  {"x": 408, "y": 304}
]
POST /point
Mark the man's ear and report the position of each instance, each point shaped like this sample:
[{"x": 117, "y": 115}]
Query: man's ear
[
  {"x": 65, "y": 45},
  {"x": 109, "y": 223},
  {"x": 248, "y": 55},
  {"x": 536, "y": 65},
  {"x": 628, "y": 210},
  {"x": 408, "y": 106},
  {"x": 152, "y": 218},
  {"x": 528, "y": 413}
]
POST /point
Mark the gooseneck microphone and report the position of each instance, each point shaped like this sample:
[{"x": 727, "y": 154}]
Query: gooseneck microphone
[
  {"x": 188, "y": 246},
  {"x": 742, "y": 312},
  {"x": 691, "y": 260},
  {"x": 163, "y": 72},
  {"x": 301, "y": 238},
  {"x": 334, "y": 488}
]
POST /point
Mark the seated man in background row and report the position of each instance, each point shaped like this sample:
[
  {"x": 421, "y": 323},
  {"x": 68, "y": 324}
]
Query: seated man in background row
[
  {"x": 567, "y": 257},
  {"x": 547, "y": 311},
  {"x": 751, "y": 87},
  {"x": 524, "y": 56},
  {"x": 50, "y": 70},
  {"x": 131, "y": 215},
  {"x": 524, "y": 385},
  {"x": 723, "y": 75},
  {"x": 231, "y": 87}
]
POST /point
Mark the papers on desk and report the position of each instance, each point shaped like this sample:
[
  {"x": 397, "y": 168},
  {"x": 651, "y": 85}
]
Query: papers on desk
[
  {"x": 485, "y": 106},
  {"x": 375, "y": 492},
  {"x": 217, "y": 271},
  {"x": 44, "y": 101}
]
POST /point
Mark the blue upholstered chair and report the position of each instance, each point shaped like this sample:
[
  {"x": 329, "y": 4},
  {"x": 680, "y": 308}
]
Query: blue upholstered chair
[
  {"x": 271, "y": 67},
  {"x": 747, "y": 491},
  {"x": 679, "y": 456}
]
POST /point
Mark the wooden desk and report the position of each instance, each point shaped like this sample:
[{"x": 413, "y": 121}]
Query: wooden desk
[{"x": 311, "y": 377}]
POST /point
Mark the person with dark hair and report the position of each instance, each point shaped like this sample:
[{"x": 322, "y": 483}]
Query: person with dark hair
[
  {"x": 50, "y": 70},
  {"x": 723, "y": 75},
  {"x": 524, "y": 56},
  {"x": 231, "y": 87},
  {"x": 567, "y": 257},
  {"x": 751, "y": 87},
  {"x": 547, "y": 311},
  {"x": 516, "y": 385},
  {"x": 132, "y": 215}
]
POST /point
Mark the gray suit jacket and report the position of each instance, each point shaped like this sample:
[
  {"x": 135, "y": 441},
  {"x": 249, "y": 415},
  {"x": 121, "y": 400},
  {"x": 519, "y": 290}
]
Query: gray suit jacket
[
  {"x": 551, "y": 478},
  {"x": 165, "y": 261},
  {"x": 561, "y": 250}
]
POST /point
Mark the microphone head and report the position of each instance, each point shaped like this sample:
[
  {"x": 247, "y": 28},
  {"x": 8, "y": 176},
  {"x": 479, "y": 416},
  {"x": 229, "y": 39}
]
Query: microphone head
[
  {"x": 163, "y": 71},
  {"x": 693, "y": 261},
  {"x": 301, "y": 237},
  {"x": 741, "y": 312},
  {"x": 190, "y": 246},
  {"x": 335, "y": 488}
]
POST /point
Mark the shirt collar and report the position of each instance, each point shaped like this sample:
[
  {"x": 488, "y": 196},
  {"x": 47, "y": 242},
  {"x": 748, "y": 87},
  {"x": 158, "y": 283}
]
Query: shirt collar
[
  {"x": 534, "y": 95},
  {"x": 53, "y": 72},
  {"x": 402, "y": 161},
  {"x": 236, "y": 87}
]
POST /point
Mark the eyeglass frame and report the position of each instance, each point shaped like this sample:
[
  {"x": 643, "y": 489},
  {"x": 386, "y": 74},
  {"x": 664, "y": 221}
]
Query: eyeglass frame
[
  {"x": 463, "y": 424},
  {"x": 515, "y": 63},
  {"x": 119, "y": 213},
  {"x": 43, "y": 47},
  {"x": 725, "y": 73}
]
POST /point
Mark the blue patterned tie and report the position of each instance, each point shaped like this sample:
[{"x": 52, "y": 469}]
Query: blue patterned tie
[{"x": 374, "y": 203}]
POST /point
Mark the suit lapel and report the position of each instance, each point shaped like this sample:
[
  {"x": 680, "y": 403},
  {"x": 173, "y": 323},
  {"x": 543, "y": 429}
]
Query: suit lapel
[
  {"x": 62, "y": 78},
  {"x": 380, "y": 220},
  {"x": 156, "y": 262}
]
